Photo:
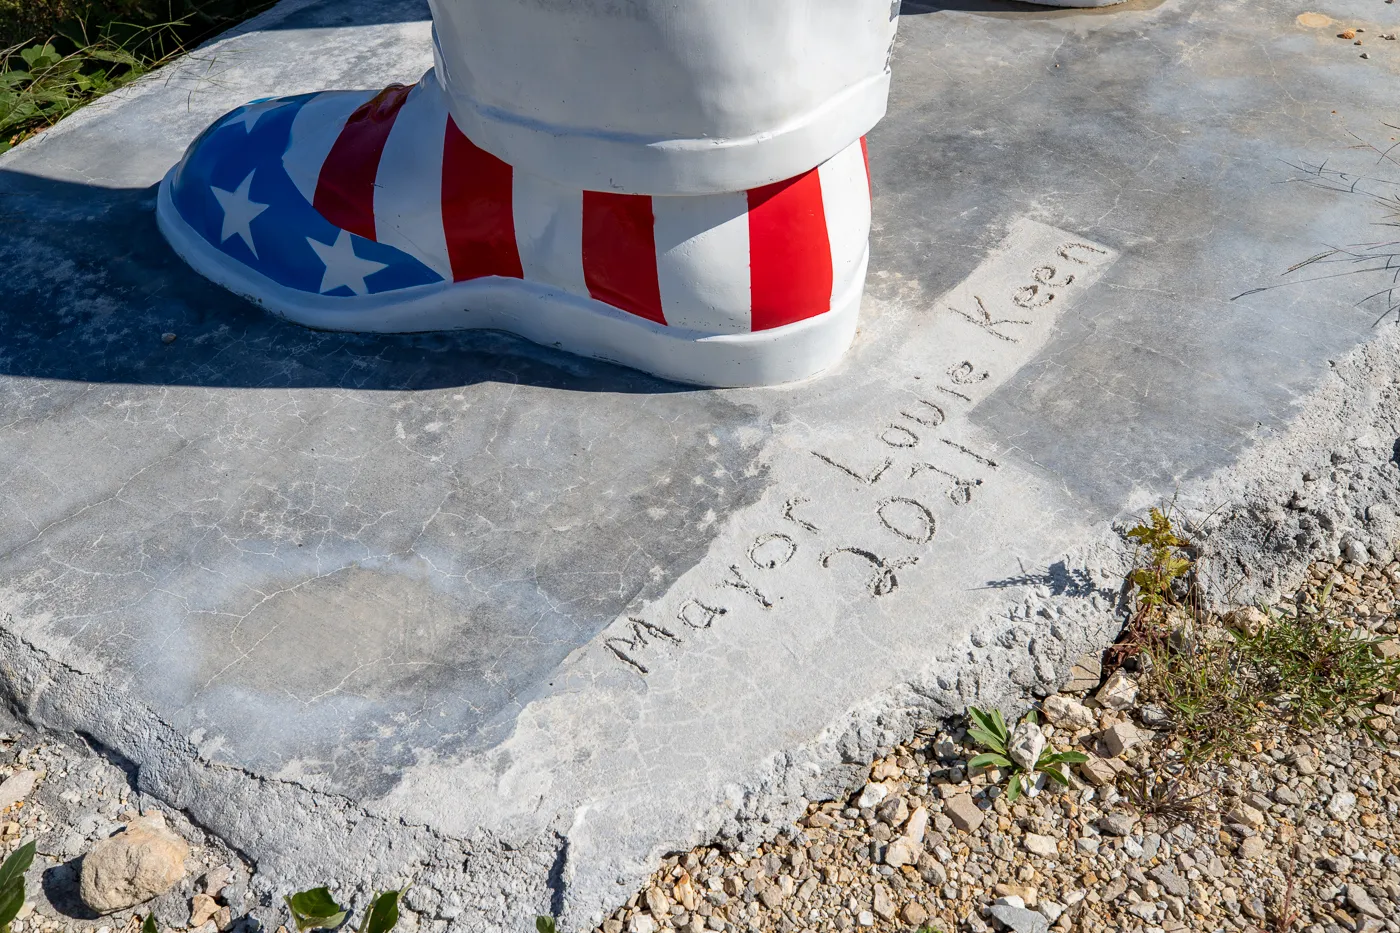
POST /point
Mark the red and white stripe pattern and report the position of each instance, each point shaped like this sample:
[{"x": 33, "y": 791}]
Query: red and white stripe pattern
[{"x": 394, "y": 168}]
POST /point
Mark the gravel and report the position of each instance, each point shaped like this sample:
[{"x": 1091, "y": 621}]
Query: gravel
[{"x": 1313, "y": 819}]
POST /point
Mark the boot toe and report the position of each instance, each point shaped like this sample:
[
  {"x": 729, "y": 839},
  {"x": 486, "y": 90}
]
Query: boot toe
[{"x": 234, "y": 201}]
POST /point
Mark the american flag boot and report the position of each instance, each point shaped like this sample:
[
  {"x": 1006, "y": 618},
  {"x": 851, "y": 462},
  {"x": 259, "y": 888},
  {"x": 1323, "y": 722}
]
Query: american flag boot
[{"x": 363, "y": 211}]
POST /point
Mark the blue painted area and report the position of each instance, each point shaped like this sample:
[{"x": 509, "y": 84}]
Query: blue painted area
[{"x": 224, "y": 157}]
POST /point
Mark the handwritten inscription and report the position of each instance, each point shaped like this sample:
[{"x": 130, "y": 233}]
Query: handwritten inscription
[{"x": 902, "y": 472}]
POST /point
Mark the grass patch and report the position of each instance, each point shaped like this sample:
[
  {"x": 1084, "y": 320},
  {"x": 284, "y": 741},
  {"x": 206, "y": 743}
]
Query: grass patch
[
  {"x": 61, "y": 54},
  {"x": 1311, "y": 668},
  {"x": 1298, "y": 664}
]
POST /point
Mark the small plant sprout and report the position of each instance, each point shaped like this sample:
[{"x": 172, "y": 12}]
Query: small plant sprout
[
  {"x": 1165, "y": 562},
  {"x": 383, "y": 913},
  {"x": 1165, "y": 800},
  {"x": 545, "y": 925},
  {"x": 12, "y": 884},
  {"x": 1011, "y": 751},
  {"x": 315, "y": 910},
  {"x": 149, "y": 925}
]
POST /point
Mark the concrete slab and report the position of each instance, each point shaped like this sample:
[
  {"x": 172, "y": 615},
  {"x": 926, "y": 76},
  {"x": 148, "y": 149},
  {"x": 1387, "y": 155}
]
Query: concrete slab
[{"x": 460, "y": 609}]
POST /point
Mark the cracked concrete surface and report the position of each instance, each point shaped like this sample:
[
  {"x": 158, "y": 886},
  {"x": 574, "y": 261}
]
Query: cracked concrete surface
[{"x": 462, "y": 610}]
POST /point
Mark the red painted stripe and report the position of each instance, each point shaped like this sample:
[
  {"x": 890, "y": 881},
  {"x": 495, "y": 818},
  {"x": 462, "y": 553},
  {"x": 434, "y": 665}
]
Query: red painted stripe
[
  {"x": 789, "y": 252},
  {"x": 619, "y": 253},
  {"x": 477, "y": 214},
  {"x": 865, "y": 154},
  {"x": 345, "y": 187}
]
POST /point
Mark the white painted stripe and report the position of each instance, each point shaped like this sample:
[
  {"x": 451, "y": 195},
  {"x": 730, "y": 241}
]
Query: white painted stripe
[
  {"x": 549, "y": 232},
  {"x": 846, "y": 201},
  {"x": 314, "y": 131},
  {"x": 702, "y": 261},
  {"x": 408, "y": 188}
]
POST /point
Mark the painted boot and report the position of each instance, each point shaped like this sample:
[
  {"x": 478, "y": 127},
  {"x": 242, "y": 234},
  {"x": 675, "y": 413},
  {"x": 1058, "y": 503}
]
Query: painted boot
[{"x": 350, "y": 210}]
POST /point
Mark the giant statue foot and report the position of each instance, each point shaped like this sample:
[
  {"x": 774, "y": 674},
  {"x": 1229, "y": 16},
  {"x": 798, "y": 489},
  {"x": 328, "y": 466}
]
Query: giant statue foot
[{"x": 350, "y": 210}]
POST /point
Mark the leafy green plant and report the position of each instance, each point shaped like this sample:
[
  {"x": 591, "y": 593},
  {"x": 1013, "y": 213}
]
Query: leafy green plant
[
  {"x": 12, "y": 884},
  {"x": 383, "y": 913},
  {"x": 545, "y": 925},
  {"x": 93, "y": 47},
  {"x": 1302, "y": 666},
  {"x": 1166, "y": 561},
  {"x": 990, "y": 731},
  {"x": 149, "y": 924},
  {"x": 316, "y": 909},
  {"x": 39, "y": 85}
]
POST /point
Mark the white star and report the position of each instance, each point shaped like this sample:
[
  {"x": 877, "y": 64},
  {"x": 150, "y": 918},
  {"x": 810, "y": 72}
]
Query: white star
[
  {"x": 239, "y": 211},
  {"x": 251, "y": 114},
  {"x": 343, "y": 267}
]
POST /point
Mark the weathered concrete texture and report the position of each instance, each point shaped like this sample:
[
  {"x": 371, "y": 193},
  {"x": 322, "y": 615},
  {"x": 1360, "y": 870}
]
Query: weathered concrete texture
[{"x": 460, "y": 609}]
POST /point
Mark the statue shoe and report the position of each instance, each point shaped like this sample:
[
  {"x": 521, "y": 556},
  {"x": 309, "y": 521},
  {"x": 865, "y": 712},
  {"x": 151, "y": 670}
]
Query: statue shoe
[{"x": 357, "y": 211}]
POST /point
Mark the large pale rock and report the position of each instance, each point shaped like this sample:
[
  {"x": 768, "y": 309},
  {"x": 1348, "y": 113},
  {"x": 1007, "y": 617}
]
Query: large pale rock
[{"x": 141, "y": 862}]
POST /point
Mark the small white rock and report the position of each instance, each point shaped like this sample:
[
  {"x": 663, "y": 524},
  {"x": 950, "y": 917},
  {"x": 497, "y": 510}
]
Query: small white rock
[
  {"x": 1044, "y": 846},
  {"x": 1120, "y": 738},
  {"x": 872, "y": 795},
  {"x": 865, "y": 918},
  {"x": 1068, "y": 712},
  {"x": 1342, "y": 804},
  {"x": 917, "y": 825},
  {"x": 1120, "y": 692},
  {"x": 1027, "y": 742}
]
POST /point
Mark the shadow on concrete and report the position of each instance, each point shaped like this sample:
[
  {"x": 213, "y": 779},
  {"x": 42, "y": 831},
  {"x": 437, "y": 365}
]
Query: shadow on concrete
[
  {"x": 61, "y": 884},
  {"x": 327, "y": 14},
  {"x": 1059, "y": 577},
  {"x": 99, "y": 318}
]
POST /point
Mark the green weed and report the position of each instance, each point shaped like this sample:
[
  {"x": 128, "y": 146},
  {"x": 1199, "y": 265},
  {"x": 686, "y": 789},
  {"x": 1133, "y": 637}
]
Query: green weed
[
  {"x": 1301, "y": 667},
  {"x": 1310, "y": 667},
  {"x": 40, "y": 86},
  {"x": 1164, "y": 800},
  {"x": 990, "y": 731},
  {"x": 1166, "y": 561},
  {"x": 545, "y": 925},
  {"x": 93, "y": 48},
  {"x": 316, "y": 909},
  {"x": 12, "y": 884},
  {"x": 1206, "y": 691}
]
